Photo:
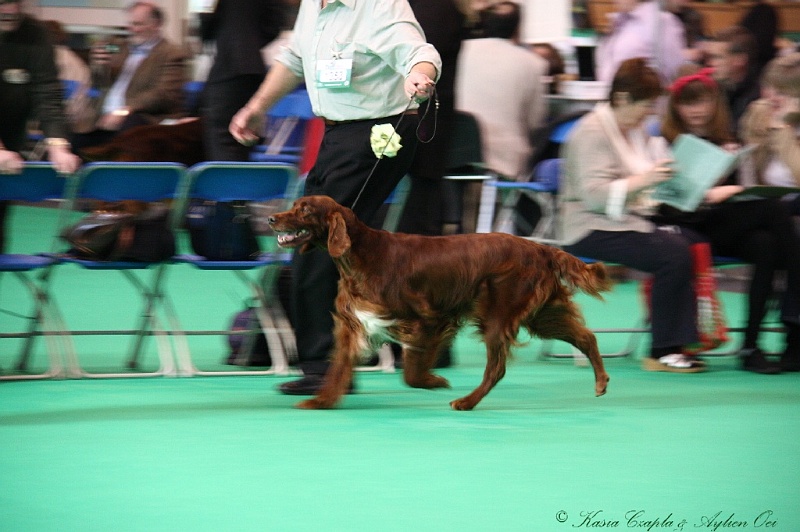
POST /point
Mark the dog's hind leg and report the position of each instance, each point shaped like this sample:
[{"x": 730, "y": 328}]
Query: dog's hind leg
[
  {"x": 417, "y": 363},
  {"x": 563, "y": 321}
]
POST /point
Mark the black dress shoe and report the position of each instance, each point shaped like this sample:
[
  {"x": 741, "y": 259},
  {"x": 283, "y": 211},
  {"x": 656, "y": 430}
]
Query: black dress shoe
[
  {"x": 790, "y": 364},
  {"x": 790, "y": 358},
  {"x": 755, "y": 361},
  {"x": 307, "y": 385}
]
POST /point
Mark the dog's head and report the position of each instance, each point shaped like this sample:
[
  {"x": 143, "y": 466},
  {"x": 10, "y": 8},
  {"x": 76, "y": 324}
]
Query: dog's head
[{"x": 314, "y": 221}]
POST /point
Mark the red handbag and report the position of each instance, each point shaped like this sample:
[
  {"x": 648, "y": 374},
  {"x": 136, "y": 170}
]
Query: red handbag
[{"x": 711, "y": 327}]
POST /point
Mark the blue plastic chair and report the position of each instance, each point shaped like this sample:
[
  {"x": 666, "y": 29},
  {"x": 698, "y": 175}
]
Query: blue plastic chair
[
  {"x": 252, "y": 182},
  {"x": 192, "y": 94},
  {"x": 37, "y": 182},
  {"x": 147, "y": 182},
  {"x": 285, "y": 129},
  {"x": 543, "y": 188}
]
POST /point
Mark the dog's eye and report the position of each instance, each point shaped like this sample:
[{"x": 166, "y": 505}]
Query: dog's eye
[{"x": 305, "y": 209}]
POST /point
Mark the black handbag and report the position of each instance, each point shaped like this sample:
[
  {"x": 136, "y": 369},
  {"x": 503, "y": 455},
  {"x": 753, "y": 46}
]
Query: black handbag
[
  {"x": 222, "y": 230},
  {"x": 95, "y": 236},
  {"x": 120, "y": 235}
]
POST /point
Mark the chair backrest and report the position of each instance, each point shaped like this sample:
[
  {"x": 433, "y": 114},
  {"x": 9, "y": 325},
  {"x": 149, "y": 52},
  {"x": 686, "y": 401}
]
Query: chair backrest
[
  {"x": 192, "y": 93},
  {"x": 465, "y": 144},
  {"x": 36, "y": 182},
  {"x": 395, "y": 203},
  {"x": 248, "y": 181},
  {"x": 112, "y": 181},
  {"x": 547, "y": 140},
  {"x": 296, "y": 103},
  {"x": 548, "y": 174},
  {"x": 286, "y": 122}
]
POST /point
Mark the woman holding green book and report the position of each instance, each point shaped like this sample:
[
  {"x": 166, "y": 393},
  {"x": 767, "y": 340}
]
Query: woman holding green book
[{"x": 756, "y": 231}]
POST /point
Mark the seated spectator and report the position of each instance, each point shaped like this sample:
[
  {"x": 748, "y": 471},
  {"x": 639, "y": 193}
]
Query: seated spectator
[
  {"x": 633, "y": 34},
  {"x": 610, "y": 165},
  {"x": 498, "y": 82},
  {"x": 141, "y": 80},
  {"x": 731, "y": 53},
  {"x": 758, "y": 232},
  {"x": 773, "y": 125},
  {"x": 71, "y": 69}
]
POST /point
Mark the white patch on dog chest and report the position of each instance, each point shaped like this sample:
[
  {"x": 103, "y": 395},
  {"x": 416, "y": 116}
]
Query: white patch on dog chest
[{"x": 375, "y": 326}]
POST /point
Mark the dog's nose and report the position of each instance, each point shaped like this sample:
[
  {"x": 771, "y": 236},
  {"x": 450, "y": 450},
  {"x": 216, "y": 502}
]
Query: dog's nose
[{"x": 271, "y": 220}]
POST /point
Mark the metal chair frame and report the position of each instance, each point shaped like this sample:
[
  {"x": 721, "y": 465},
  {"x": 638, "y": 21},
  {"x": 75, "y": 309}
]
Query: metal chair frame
[
  {"x": 248, "y": 181},
  {"x": 113, "y": 182},
  {"x": 37, "y": 182}
]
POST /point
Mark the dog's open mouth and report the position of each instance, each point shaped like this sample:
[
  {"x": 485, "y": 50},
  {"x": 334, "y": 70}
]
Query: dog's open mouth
[{"x": 293, "y": 238}]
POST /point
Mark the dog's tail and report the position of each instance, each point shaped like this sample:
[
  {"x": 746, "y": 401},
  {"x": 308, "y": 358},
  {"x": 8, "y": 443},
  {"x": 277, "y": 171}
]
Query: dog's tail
[{"x": 576, "y": 274}]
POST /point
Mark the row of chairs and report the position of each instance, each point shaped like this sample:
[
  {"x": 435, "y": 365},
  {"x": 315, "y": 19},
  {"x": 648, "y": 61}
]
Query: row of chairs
[{"x": 149, "y": 182}]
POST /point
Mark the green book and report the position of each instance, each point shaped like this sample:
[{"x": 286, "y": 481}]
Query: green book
[{"x": 699, "y": 165}]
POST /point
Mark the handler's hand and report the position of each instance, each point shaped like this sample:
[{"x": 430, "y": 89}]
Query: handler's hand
[
  {"x": 419, "y": 86},
  {"x": 244, "y": 126},
  {"x": 11, "y": 162}
]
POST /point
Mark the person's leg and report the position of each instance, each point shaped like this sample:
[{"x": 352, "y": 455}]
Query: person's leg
[
  {"x": 667, "y": 256},
  {"x": 344, "y": 164},
  {"x": 221, "y": 101},
  {"x": 760, "y": 233}
]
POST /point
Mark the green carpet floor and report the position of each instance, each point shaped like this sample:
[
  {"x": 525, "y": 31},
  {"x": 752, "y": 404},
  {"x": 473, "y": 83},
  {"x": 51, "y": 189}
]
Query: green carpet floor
[{"x": 712, "y": 451}]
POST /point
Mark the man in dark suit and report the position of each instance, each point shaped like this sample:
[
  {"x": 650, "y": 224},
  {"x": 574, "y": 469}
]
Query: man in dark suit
[{"x": 241, "y": 28}]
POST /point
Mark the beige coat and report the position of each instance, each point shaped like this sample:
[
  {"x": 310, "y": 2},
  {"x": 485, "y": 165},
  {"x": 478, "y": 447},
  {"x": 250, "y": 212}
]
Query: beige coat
[
  {"x": 591, "y": 165},
  {"x": 501, "y": 84}
]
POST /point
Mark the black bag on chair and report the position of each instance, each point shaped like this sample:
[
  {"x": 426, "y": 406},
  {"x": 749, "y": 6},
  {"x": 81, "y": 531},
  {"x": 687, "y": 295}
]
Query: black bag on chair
[
  {"x": 95, "y": 236},
  {"x": 117, "y": 233},
  {"x": 222, "y": 230}
]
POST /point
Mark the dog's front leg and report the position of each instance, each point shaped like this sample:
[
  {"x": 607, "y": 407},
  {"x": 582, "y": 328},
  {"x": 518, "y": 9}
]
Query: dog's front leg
[{"x": 340, "y": 372}]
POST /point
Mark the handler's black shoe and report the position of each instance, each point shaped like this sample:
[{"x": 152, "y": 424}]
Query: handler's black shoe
[
  {"x": 307, "y": 385},
  {"x": 754, "y": 360}
]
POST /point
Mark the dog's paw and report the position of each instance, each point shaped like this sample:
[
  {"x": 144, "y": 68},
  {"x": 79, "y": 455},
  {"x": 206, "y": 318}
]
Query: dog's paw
[
  {"x": 428, "y": 382},
  {"x": 314, "y": 404},
  {"x": 462, "y": 404},
  {"x": 600, "y": 386},
  {"x": 435, "y": 381}
]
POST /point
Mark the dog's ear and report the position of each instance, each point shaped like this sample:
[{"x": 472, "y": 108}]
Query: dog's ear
[{"x": 338, "y": 240}]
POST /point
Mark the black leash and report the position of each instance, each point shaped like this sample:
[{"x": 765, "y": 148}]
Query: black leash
[{"x": 394, "y": 132}]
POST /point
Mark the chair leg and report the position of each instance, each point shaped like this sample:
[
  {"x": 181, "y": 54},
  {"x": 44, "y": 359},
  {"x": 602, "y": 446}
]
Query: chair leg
[
  {"x": 40, "y": 324},
  {"x": 486, "y": 208},
  {"x": 634, "y": 339}
]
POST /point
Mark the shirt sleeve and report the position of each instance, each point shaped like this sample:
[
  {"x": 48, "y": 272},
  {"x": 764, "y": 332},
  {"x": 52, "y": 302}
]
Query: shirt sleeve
[{"x": 399, "y": 39}]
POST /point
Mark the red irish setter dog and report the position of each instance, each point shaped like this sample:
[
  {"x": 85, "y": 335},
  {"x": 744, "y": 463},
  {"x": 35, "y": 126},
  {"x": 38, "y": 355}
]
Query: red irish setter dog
[{"x": 418, "y": 291}]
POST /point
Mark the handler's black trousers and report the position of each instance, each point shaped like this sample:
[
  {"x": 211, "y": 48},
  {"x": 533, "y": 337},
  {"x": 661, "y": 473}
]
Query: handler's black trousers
[{"x": 345, "y": 160}]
